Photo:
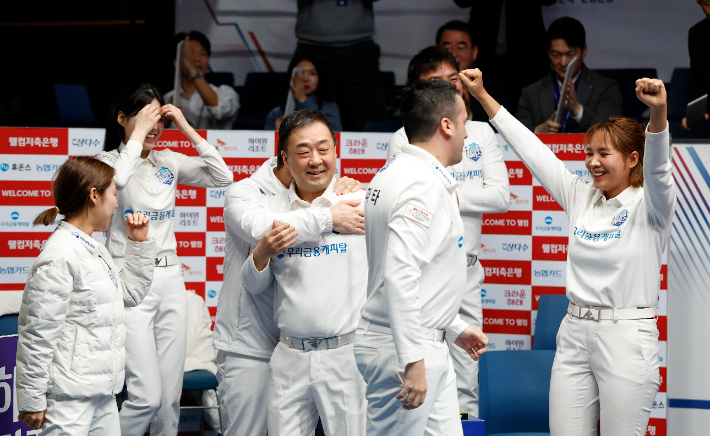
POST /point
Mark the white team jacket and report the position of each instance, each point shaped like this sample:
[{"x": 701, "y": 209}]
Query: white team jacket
[{"x": 71, "y": 332}]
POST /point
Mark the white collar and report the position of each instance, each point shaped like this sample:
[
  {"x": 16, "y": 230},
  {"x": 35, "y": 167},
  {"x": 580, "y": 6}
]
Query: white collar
[
  {"x": 85, "y": 240},
  {"x": 433, "y": 164},
  {"x": 326, "y": 199}
]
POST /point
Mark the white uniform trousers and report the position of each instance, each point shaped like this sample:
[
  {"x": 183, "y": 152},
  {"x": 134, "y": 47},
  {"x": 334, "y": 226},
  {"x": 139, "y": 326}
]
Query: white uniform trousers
[
  {"x": 77, "y": 417},
  {"x": 439, "y": 414},
  {"x": 155, "y": 357},
  {"x": 306, "y": 384},
  {"x": 465, "y": 367},
  {"x": 604, "y": 371},
  {"x": 243, "y": 393}
]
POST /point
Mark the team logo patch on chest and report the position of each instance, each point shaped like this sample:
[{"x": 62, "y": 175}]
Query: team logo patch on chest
[
  {"x": 620, "y": 218},
  {"x": 165, "y": 176},
  {"x": 418, "y": 215},
  {"x": 473, "y": 152}
]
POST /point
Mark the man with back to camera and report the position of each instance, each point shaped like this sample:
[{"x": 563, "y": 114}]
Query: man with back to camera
[
  {"x": 417, "y": 273},
  {"x": 320, "y": 288},
  {"x": 484, "y": 188},
  {"x": 245, "y": 333},
  {"x": 590, "y": 97},
  {"x": 455, "y": 38},
  {"x": 204, "y": 105}
]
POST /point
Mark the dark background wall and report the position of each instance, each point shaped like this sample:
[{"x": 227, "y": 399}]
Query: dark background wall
[{"x": 102, "y": 44}]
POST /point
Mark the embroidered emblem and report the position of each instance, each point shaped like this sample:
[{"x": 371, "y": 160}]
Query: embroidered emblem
[
  {"x": 315, "y": 342},
  {"x": 165, "y": 176},
  {"x": 473, "y": 152},
  {"x": 418, "y": 215},
  {"x": 620, "y": 218},
  {"x": 461, "y": 242}
]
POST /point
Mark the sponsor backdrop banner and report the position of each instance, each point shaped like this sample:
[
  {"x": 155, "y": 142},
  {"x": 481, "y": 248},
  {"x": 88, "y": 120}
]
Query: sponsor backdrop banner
[
  {"x": 259, "y": 35},
  {"x": 689, "y": 387},
  {"x": 523, "y": 251}
]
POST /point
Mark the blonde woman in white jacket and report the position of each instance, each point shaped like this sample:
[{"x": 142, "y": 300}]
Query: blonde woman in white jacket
[{"x": 70, "y": 353}]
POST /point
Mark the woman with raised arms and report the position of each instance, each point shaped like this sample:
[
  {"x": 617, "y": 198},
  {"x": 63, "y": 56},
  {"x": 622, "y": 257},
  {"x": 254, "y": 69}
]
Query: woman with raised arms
[{"x": 606, "y": 364}]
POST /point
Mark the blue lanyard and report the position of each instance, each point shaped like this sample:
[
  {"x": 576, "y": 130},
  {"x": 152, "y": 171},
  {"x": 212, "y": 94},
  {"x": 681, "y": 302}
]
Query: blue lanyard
[{"x": 565, "y": 114}]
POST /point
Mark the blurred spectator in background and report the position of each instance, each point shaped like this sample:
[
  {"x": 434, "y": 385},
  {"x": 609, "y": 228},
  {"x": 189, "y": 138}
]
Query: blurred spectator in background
[
  {"x": 199, "y": 353},
  {"x": 699, "y": 51},
  {"x": 205, "y": 106},
  {"x": 511, "y": 40},
  {"x": 590, "y": 97},
  {"x": 337, "y": 35},
  {"x": 309, "y": 92},
  {"x": 454, "y": 37}
]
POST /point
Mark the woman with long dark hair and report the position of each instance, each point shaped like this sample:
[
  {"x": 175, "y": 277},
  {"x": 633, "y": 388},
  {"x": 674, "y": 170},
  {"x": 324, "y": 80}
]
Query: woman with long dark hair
[
  {"x": 146, "y": 180},
  {"x": 606, "y": 363},
  {"x": 309, "y": 92},
  {"x": 70, "y": 352}
]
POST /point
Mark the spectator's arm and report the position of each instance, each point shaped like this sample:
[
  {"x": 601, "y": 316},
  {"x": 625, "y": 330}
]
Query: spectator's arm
[
  {"x": 208, "y": 95},
  {"x": 227, "y": 103},
  {"x": 274, "y": 114}
]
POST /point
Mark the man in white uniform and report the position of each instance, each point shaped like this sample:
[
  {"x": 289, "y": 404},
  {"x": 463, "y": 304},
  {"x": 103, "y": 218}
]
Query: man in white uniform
[
  {"x": 417, "y": 273},
  {"x": 320, "y": 289},
  {"x": 245, "y": 333},
  {"x": 483, "y": 188}
]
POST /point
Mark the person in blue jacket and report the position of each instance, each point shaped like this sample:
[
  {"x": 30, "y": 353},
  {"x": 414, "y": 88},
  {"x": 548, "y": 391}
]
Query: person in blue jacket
[{"x": 307, "y": 95}]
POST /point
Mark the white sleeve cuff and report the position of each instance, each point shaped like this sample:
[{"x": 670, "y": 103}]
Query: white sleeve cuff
[
  {"x": 456, "y": 328},
  {"x": 134, "y": 145},
  {"x": 202, "y": 147},
  {"x": 578, "y": 117}
]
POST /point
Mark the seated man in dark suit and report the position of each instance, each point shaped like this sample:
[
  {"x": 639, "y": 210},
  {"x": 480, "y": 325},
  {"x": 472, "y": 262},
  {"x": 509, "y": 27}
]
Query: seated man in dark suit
[
  {"x": 454, "y": 37},
  {"x": 590, "y": 97}
]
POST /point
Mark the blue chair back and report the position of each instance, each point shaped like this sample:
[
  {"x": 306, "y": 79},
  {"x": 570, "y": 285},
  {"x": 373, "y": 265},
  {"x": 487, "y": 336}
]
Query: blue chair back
[
  {"x": 8, "y": 324},
  {"x": 198, "y": 380},
  {"x": 73, "y": 102},
  {"x": 515, "y": 391},
  {"x": 550, "y": 313}
]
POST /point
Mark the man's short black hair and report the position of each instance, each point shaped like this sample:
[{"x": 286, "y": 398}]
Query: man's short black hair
[
  {"x": 424, "y": 104},
  {"x": 429, "y": 59},
  {"x": 453, "y": 25},
  {"x": 195, "y": 36},
  {"x": 295, "y": 120},
  {"x": 569, "y": 29}
]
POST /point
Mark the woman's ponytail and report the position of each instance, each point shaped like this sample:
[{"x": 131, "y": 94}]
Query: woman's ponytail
[{"x": 47, "y": 218}]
